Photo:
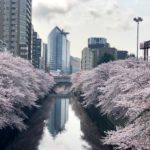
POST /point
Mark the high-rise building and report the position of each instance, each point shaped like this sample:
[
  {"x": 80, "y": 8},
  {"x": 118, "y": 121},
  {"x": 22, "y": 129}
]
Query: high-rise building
[
  {"x": 87, "y": 59},
  {"x": 45, "y": 56},
  {"x": 36, "y": 50},
  {"x": 43, "y": 63},
  {"x": 75, "y": 64},
  {"x": 96, "y": 42},
  {"x": 15, "y": 26},
  {"x": 122, "y": 54},
  {"x": 99, "y": 53},
  {"x": 99, "y": 47},
  {"x": 3, "y": 46},
  {"x": 58, "y": 56}
]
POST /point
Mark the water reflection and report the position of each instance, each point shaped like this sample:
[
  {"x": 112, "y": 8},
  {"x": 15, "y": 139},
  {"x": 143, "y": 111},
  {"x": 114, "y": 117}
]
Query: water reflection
[
  {"x": 58, "y": 116},
  {"x": 60, "y": 124},
  {"x": 91, "y": 133},
  {"x": 29, "y": 139}
]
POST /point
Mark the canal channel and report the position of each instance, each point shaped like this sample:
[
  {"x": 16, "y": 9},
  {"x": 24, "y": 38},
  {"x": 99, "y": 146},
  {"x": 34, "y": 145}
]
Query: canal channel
[{"x": 60, "y": 123}]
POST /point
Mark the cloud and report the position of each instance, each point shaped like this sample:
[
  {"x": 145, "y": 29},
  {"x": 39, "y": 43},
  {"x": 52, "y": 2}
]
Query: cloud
[
  {"x": 43, "y": 11},
  {"x": 120, "y": 20},
  {"x": 47, "y": 10},
  {"x": 107, "y": 10},
  {"x": 94, "y": 12}
]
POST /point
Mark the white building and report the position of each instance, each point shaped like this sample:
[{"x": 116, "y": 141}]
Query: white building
[{"x": 75, "y": 64}]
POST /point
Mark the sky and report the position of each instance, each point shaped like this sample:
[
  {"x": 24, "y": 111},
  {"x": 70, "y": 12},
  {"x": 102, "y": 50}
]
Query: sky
[{"x": 111, "y": 19}]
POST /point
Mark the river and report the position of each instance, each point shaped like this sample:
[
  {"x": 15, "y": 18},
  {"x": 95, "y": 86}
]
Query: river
[{"x": 60, "y": 124}]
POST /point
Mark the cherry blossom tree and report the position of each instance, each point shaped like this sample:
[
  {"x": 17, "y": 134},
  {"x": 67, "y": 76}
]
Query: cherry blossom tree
[
  {"x": 121, "y": 90},
  {"x": 20, "y": 86}
]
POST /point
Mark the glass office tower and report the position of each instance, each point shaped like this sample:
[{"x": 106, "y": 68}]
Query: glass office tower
[{"x": 58, "y": 57}]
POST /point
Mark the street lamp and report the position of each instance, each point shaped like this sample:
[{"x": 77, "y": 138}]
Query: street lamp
[{"x": 138, "y": 20}]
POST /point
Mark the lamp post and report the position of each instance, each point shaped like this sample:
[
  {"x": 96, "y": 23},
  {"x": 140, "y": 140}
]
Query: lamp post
[{"x": 138, "y": 20}]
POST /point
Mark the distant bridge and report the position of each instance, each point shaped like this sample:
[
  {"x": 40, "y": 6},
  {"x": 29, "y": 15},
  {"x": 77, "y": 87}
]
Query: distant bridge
[
  {"x": 62, "y": 86},
  {"x": 62, "y": 95},
  {"x": 62, "y": 80}
]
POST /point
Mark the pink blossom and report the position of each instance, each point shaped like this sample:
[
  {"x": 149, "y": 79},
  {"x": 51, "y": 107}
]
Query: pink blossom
[
  {"x": 20, "y": 86},
  {"x": 121, "y": 90}
]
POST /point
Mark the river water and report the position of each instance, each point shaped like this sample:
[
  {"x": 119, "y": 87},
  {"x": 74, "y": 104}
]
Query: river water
[{"x": 60, "y": 124}]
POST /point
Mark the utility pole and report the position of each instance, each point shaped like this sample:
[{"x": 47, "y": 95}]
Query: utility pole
[{"x": 138, "y": 20}]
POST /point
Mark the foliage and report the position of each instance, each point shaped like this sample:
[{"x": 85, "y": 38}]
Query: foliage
[
  {"x": 120, "y": 89},
  {"x": 131, "y": 56},
  {"x": 106, "y": 58},
  {"x": 20, "y": 86}
]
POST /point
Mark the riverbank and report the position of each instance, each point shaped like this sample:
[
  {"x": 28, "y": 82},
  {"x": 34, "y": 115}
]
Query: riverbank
[
  {"x": 119, "y": 90},
  {"x": 21, "y": 86},
  {"x": 103, "y": 122},
  {"x": 52, "y": 127},
  {"x": 7, "y": 134}
]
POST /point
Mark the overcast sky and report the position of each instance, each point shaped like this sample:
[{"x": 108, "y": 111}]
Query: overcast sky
[{"x": 112, "y": 19}]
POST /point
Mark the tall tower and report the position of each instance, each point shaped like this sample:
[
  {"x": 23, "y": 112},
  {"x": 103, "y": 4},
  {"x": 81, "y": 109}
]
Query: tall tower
[
  {"x": 36, "y": 50},
  {"x": 58, "y": 57},
  {"x": 15, "y": 26}
]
